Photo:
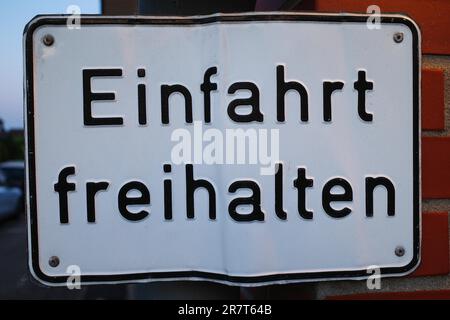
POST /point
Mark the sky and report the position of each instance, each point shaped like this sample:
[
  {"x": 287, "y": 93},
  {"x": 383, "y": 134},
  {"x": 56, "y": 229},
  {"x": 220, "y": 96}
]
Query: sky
[{"x": 14, "y": 16}]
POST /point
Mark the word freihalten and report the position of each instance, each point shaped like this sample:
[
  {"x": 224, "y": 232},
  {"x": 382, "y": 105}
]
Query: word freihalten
[{"x": 301, "y": 182}]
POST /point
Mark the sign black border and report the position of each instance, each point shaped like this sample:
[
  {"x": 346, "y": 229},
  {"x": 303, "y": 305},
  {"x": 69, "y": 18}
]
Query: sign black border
[{"x": 42, "y": 20}]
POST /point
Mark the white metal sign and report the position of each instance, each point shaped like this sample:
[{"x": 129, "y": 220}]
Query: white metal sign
[{"x": 246, "y": 149}]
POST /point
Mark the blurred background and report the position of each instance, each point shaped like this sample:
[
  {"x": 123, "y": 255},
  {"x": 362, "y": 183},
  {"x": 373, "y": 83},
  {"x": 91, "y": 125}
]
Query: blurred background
[{"x": 15, "y": 280}]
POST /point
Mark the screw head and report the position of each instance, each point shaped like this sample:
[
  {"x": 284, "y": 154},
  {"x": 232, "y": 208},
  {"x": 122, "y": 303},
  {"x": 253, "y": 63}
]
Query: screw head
[
  {"x": 48, "y": 40},
  {"x": 398, "y": 37},
  {"x": 399, "y": 251},
  {"x": 53, "y": 261}
]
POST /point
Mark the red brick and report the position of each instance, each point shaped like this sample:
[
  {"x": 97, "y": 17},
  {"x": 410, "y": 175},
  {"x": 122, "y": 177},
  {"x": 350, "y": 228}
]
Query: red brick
[
  {"x": 435, "y": 248},
  {"x": 435, "y": 167},
  {"x": 433, "y": 108},
  {"x": 431, "y": 15},
  {"x": 413, "y": 295}
]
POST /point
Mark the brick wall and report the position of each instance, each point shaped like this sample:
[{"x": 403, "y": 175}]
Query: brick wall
[{"x": 431, "y": 279}]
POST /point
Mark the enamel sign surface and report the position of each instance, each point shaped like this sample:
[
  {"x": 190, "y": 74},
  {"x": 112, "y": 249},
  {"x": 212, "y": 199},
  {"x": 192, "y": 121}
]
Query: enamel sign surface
[{"x": 244, "y": 149}]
